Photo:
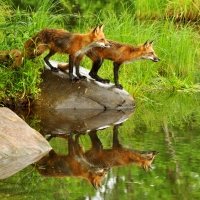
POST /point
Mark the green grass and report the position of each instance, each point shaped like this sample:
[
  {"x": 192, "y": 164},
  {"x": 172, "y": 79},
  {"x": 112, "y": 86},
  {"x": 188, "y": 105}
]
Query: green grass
[
  {"x": 188, "y": 10},
  {"x": 177, "y": 44},
  {"x": 16, "y": 28},
  {"x": 179, "y": 10}
]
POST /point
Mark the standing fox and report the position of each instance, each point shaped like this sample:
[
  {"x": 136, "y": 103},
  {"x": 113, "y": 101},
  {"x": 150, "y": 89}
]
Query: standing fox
[
  {"x": 61, "y": 41},
  {"x": 94, "y": 163},
  {"x": 120, "y": 54},
  {"x": 117, "y": 155},
  {"x": 56, "y": 165}
]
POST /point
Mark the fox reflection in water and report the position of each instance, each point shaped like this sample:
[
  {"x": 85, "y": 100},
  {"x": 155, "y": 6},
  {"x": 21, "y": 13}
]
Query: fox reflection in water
[{"x": 94, "y": 163}]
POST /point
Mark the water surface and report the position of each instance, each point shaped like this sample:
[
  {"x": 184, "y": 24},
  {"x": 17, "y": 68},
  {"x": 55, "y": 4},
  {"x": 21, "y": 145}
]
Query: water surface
[{"x": 168, "y": 123}]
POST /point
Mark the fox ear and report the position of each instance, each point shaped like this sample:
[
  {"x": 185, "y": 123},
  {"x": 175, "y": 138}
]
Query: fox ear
[
  {"x": 95, "y": 184},
  {"x": 145, "y": 167},
  {"x": 96, "y": 30},
  {"x": 146, "y": 44},
  {"x": 101, "y": 27},
  {"x": 151, "y": 42}
]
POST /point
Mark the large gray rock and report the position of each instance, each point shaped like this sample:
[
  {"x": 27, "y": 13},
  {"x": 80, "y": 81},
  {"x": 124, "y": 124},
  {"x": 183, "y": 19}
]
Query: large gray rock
[
  {"x": 20, "y": 145},
  {"x": 58, "y": 92}
]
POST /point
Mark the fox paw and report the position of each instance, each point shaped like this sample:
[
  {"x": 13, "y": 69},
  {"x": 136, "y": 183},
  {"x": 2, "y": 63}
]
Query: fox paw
[
  {"x": 75, "y": 80},
  {"x": 54, "y": 69},
  {"x": 119, "y": 86},
  {"x": 82, "y": 77},
  {"x": 99, "y": 79},
  {"x": 105, "y": 81}
]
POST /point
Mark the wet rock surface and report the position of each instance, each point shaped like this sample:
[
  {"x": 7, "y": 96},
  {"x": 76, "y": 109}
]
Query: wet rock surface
[
  {"x": 20, "y": 145},
  {"x": 65, "y": 121},
  {"x": 58, "y": 92}
]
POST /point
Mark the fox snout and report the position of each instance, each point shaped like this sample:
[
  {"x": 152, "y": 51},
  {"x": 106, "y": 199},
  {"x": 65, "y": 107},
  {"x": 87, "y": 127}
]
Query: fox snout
[
  {"x": 156, "y": 59},
  {"x": 105, "y": 45}
]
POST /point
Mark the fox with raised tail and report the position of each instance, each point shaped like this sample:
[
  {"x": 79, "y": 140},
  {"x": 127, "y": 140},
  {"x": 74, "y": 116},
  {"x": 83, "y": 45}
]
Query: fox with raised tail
[
  {"x": 61, "y": 41},
  {"x": 120, "y": 54}
]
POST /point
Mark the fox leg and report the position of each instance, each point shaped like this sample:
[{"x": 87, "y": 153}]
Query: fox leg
[
  {"x": 71, "y": 65},
  {"x": 46, "y": 59},
  {"x": 116, "y": 143},
  {"x": 96, "y": 143},
  {"x": 77, "y": 65},
  {"x": 116, "y": 76},
  {"x": 95, "y": 68}
]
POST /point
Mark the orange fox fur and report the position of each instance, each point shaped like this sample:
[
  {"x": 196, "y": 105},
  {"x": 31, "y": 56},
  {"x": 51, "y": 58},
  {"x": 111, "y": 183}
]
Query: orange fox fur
[
  {"x": 12, "y": 58},
  {"x": 55, "y": 165},
  {"x": 61, "y": 41},
  {"x": 120, "y": 54},
  {"x": 94, "y": 163},
  {"x": 118, "y": 155}
]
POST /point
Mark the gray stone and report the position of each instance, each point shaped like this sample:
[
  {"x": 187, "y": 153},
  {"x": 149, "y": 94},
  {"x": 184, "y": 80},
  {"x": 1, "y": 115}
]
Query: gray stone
[
  {"x": 58, "y": 92},
  {"x": 20, "y": 145}
]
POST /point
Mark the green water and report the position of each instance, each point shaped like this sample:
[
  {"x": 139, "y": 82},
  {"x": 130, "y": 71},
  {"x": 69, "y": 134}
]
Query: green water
[{"x": 163, "y": 121}]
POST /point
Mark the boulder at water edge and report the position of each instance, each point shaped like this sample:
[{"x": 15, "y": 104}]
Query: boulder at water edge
[
  {"x": 58, "y": 92},
  {"x": 20, "y": 145}
]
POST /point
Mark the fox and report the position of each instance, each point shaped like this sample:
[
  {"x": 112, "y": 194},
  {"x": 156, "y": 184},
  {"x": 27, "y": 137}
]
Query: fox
[
  {"x": 119, "y": 53},
  {"x": 11, "y": 58},
  {"x": 117, "y": 155},
  {"x": 62, "y": 41},
  {"x": 94, "y": 163},
  {"x": 59, "y": 166}
]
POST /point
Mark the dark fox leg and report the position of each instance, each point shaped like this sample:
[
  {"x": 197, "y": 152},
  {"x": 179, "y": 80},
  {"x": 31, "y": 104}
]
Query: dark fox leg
[
  {"x": 116, "y": 76},
  {"x": 95, "y": 68},
  {"x": 116, "y": 143},
  {"x": 71, "y": 145},
  {"x": 46, "y": 59},
  {"x": 77, "y": 65},
  {"x": 71, "y": 65},
  {"x": 96, "y": 143}
]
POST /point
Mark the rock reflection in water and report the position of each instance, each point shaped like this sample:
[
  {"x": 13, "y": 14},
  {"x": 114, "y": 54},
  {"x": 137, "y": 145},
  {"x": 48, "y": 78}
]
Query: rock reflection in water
[
  {"x": 63, "y": 121},
  {"x": 94, "y": 163}
]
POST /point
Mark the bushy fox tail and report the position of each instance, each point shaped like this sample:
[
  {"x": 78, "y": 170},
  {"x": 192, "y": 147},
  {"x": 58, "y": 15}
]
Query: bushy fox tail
[
  {"x": 28, "y": 46},
  {"x": 34, "y": 47}
]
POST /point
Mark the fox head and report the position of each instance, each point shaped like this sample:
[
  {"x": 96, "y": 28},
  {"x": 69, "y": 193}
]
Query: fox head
[
  {"x": 12, "y": 58},
  {"x": 16, "y": 56},
  {"x": 148, "y": 52},
  {"x": 99, "y": 39},
  {"x": 147, "y": 159},
  {"x": 95, "y": 178}
]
